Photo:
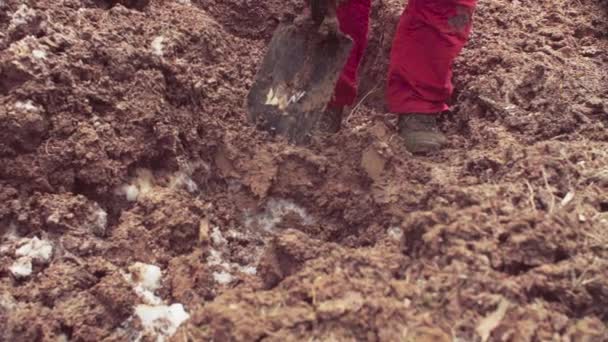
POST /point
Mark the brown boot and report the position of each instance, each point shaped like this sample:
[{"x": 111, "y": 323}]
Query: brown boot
[
  {"x": 331, "y": 121},
  {"x": 421, "y": 133}
]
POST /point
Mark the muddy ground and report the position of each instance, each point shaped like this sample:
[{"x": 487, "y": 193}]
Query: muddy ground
[{"x": 137, "y": 203}]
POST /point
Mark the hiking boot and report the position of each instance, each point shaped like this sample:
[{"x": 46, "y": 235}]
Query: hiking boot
[
  {"x": 421, "y": 133},
  {"x": 331, "y": 120}
]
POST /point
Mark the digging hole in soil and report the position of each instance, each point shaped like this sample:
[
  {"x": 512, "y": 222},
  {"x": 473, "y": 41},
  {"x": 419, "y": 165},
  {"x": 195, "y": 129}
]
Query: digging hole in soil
[{"x": 466, "y": 225}]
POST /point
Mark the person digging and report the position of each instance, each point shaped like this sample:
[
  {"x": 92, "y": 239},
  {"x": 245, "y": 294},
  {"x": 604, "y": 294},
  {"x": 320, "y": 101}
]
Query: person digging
[{"x": 430, "y": 35}]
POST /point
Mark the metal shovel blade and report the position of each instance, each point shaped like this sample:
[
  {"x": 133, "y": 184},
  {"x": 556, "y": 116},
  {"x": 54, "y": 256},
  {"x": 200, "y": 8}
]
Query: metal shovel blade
[{"x": 296, "y": 80}]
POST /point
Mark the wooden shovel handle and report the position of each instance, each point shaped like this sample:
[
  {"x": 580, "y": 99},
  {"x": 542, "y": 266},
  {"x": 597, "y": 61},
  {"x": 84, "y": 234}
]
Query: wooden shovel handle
[{"x": 321, "y": 9}]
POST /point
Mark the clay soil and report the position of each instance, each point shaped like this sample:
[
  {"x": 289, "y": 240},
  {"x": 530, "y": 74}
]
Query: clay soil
[{"x": 123, "y": 139}]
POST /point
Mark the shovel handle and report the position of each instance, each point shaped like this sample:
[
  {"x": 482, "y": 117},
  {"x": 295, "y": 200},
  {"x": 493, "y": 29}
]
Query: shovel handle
[{"x": 322, "y": 8}]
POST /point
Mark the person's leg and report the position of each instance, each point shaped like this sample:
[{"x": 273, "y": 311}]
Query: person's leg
[
  {"x": 430, "y": 35},
  {"x": 353, "y": 17}
]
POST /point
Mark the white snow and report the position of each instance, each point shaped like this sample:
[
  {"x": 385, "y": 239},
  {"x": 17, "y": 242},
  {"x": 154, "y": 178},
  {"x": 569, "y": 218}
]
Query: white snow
[
  {"x": 251, "y": 270},
  {"x": 215, "y": 258},
  {"x": 148, "y": 276},
  {"x": 157, "y": 318},
  {"x": 276, "y": 209},
  {"x": 139, "y": 187},
  {"x": 131, "y": 192},
  {"x": 27, "y": 106},
  {"x": 146, "y": 279},
  {"x": 36, "y": 249},
  {"x": 143, "y": 184},
  {"x": 21, "y": 268},
  {"x": 30, "y": 250},
  {"x": 217, "y": 238},
  {"x": 157, "y": 46},
  {"x": 223, "y": 277},
  {"x": 161, "y": 320},
  {"x": 39, "y": 54}
]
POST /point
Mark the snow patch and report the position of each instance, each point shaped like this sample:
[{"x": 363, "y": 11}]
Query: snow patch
[
  {"x": 30, "y": 250},
  {"x": 131, "y": 192},
  {"x": 21, "y": 268},
  {"x": 184, "y": 2},
  {"x": 161, "y": 320},
  {"x": 217, "y": 238},
  {"x": 26, "y": 106},
  {"x": 158, "y": 45},
  {"x": 157, "y": 318},
  {"x": 276, "y": 210},
  {"x": 148, "y": 276},
  {"x": 143, "y": 183},
  {"x": 223, "y": 277},
  {"x": 35, "y": 249},
  {"x": 251, "y": 270},
  {"x": 146, "y": 279},
  {"x": 224, "y": 270},
  {"x": 39, "y": 54},
  {"x": 140, "y": 186}
]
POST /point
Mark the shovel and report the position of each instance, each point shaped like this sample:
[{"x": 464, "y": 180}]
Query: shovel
[{"x": 297, "y": 78}]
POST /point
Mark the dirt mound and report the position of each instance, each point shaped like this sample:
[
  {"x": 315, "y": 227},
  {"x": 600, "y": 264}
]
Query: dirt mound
[{"x": 136, "y": 202}]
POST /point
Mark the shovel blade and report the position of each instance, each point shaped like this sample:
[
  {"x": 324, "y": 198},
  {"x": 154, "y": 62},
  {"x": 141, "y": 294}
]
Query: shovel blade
[{"x": 296, "y": 80}]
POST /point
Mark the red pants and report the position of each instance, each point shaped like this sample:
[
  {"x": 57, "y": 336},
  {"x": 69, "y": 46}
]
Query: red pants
[{"x": 430, "y": 35}]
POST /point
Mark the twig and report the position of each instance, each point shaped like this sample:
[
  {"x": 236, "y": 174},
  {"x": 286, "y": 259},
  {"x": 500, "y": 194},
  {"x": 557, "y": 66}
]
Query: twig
[
  {"x": 580, "y": 280},
  {"x": 552, "y": 205},
  {"x": 531, "y": 197},
  {"x": 361, "y": 102}
]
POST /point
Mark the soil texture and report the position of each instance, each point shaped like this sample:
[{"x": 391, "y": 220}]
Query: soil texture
[{"x": 137, "y": 203}]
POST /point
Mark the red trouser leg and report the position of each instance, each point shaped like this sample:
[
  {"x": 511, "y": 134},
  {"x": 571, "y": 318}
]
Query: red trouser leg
[
  {"x": 353, "y": 16},
  {"x": 430, "y": 35}
]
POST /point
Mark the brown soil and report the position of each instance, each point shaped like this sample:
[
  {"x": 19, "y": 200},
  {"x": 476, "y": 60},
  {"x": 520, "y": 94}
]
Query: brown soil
[{"x": 123, "y": 139}]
